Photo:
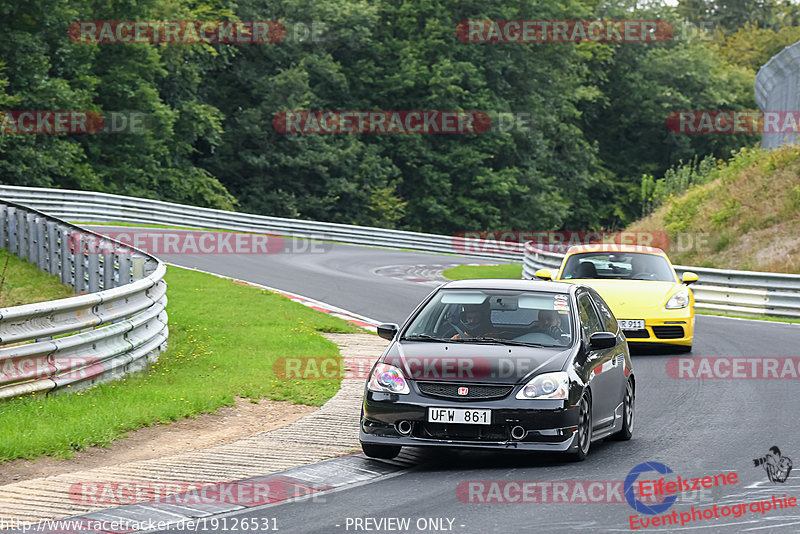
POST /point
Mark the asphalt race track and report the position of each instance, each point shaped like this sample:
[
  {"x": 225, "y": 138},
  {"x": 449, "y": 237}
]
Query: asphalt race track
[{"x": 697, "y": 427}]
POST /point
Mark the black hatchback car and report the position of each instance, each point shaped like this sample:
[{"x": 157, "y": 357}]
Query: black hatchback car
[{"x": 501, "y": 364}]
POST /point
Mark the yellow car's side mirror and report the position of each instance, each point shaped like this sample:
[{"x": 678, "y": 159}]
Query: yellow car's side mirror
[
  {"x": 689, "y": 278},
  {"x": 544, "y": 274}
]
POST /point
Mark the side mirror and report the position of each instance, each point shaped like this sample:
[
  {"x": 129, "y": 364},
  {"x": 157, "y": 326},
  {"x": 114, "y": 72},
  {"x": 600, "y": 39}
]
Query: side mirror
[
  {"x": 544, "y": 274},
  {"x": 602, "y": 340},
  {"x": 689, "y": 278},
  {"x": 388, "y": 330}
]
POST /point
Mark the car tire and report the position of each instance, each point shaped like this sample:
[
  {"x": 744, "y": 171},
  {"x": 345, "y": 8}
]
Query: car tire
[
  {"x": 384, "y": 452},
  {"x": 628, "y": 414},
  {"x": 584, "y": 432}
]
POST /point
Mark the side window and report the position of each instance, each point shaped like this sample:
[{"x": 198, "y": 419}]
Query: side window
[
  {"x": 607, "y": 317},
  {"x": 590, "y": 322}
]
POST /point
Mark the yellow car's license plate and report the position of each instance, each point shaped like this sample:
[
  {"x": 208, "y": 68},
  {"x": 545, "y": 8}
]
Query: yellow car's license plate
[{"x": 631, "y": 324}]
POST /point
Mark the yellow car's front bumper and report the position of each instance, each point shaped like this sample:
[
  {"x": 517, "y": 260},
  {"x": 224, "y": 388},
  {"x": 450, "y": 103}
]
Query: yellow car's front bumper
[{"x": 671, "y": 330}]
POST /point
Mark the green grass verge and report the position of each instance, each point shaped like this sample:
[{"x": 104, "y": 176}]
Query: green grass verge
[
  {"x": 464, "y": 272},
  {"x": 224, "y": 339},
  {"x": 24, "y": 283}
]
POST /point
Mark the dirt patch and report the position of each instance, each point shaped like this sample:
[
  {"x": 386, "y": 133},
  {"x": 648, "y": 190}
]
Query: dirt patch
[{"x": 227, "y": 425}]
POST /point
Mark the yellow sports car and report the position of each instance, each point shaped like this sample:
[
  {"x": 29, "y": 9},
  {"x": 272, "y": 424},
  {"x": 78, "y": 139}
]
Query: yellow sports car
[{"x": 651, "y": 303}]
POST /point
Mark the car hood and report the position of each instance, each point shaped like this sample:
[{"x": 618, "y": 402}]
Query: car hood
[
  {"x": 472, "y": 362},
  {"x": 633, "y": 299}
]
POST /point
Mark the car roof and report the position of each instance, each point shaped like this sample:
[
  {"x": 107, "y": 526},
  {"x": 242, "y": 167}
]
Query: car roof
[
  {"x": 512, "y": 284},
  {"x": 614, "y": 247}
]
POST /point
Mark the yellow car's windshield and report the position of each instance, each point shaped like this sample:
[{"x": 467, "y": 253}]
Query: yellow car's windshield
[{"x": 617, "y": 265}]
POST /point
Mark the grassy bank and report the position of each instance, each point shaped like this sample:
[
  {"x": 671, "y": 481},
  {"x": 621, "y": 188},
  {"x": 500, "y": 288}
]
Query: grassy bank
[
  {"x": 24, "y": 283},
  {"x": 224, "y": 339},
  {"x": 464, "y": 272},
  {"x": 745, "y": 210}
]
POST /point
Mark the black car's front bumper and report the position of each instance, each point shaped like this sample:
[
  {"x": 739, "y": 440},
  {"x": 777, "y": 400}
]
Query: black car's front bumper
[{"x": 548, "y": 425}]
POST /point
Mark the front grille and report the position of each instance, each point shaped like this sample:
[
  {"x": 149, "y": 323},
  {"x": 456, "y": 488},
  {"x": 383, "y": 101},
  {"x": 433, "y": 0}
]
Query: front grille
[
  {"x": 447, "y": 390},
  {"x": 636, "y": 333},
  {"x": 462, "y": 432},
  {"x": 668, "y": 332}
]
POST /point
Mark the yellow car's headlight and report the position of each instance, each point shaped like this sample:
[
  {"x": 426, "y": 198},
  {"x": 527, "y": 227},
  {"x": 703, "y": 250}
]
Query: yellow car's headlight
[{"x": 678, "y": 300}]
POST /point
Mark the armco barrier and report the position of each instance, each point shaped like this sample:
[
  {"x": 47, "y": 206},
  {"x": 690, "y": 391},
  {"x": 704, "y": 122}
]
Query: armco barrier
[
  {"x": 718, "y": 290},
  {"x": 116, "y": 325},
  {"x": 777, "y": 88},
  {"x": 744, "y": 292},
  {"x": 87, "y": 206}
]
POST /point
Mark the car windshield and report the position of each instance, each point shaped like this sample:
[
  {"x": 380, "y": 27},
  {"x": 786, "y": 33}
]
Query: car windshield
[
  {"x": 494, "y": 316},
  {"x": 618, "y": 265}
]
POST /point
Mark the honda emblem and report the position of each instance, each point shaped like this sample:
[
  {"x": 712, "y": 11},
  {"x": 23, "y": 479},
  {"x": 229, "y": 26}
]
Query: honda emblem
[{"x": 463, "y": 391}]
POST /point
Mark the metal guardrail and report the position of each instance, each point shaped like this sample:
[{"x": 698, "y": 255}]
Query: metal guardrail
[
  {"x": 718, "y": 290},
  {"x": 777, "y": 88},
  {"x": 88, "y": 206},
  {"x": 743, "y": 292},
  {"x": 116, "y": 325}
]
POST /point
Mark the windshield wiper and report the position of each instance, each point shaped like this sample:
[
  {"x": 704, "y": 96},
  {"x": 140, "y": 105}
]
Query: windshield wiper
[
  {"x": 507, "y": 341},
  {"x": 422, "y": 337}
]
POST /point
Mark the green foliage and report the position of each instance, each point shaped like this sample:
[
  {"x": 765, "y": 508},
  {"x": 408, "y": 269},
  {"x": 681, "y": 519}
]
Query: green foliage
[
  {"x": 597, "y": 110},
  {"x": 724, "y": 214},
  {"x": 45, "y": 70},
  {"x": 676, "y": 181}
]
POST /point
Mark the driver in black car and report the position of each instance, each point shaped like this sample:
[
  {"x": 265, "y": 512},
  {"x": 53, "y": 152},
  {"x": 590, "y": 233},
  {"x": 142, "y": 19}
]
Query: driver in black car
[
  {"x": 475, "y": 321},
  {"x": 550, "y": 323}
]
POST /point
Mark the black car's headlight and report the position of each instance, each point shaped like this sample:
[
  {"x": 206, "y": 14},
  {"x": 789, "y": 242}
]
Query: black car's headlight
[
  {"x": 546, "y": 386},
  {"x": 387, "y": 379}
]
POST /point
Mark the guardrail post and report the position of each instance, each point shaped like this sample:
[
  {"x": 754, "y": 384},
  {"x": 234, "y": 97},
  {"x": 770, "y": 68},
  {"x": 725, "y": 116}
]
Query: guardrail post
[
  {"x": 31, "y": 225},
  {"x": 124, "y": 275},
  {"x": 53, "y": 249},
  {"x": 137, "y": 262},
  {"x": 42, "y": 245},
  {"x": 109, "y": 261},
  {"x": 3, "y": 225},
  {"x": 79, "y": 264},
  {"x": 22, "y": 234},
  {"x": 67, "y": 259},
  {"x": 93, "y": 269},
  {"x": 12, "y": 231}
]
